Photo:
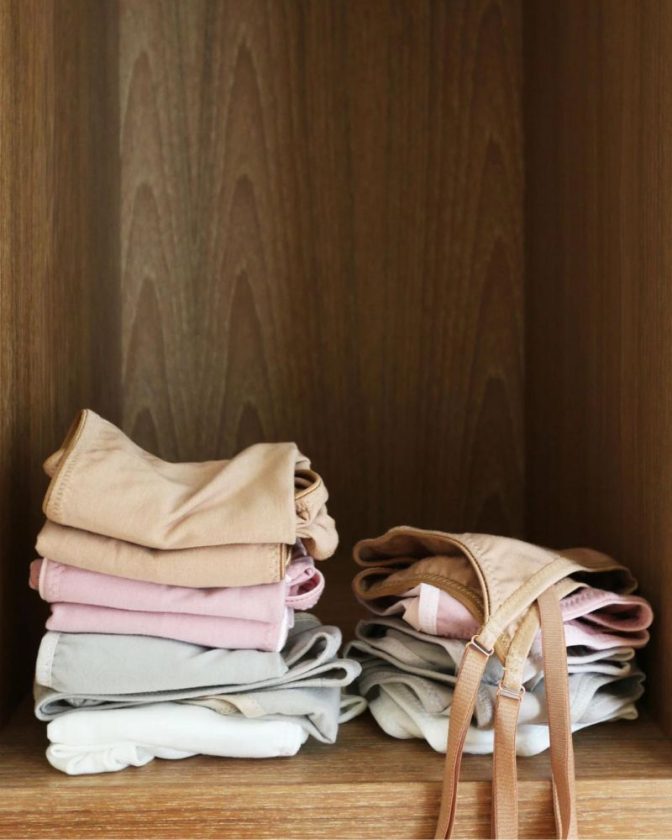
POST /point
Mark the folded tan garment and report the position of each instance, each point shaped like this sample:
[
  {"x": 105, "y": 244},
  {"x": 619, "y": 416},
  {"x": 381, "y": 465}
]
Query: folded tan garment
[
  {"x": 104, "y": 483},
  {"x": 223, "y": 565}
]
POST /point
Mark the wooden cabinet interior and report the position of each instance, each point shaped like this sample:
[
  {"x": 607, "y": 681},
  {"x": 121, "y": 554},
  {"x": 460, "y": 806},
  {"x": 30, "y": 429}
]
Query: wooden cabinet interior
[
  {"x": 426, "y": 240},
  {"x": 272, "y": 221}
]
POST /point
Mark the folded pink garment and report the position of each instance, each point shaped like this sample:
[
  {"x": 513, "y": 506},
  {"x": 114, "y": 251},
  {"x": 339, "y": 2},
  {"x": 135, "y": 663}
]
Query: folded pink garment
[
  {"x": 301, "y": 589},
  {"x": 206, "y": 630},
  {"x": 587, "y": 634},
  {"x": 593, "y": 617},
  {"x": 602, "y": 620}
]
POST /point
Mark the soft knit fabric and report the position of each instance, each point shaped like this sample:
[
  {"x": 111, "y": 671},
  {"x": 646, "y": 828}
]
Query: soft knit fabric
[
  {"x": 104, "y": 483},
  {"x": 89, "y": 602},
  {"x": 431, "y": 592},
  {"x": 301, "y": 589},
  {"x": 207, "y": 630},
  {"x": 438, "y": 658},
  {"x": 593, "y": 617},
  {"x": 399, "y": 713},
  {"x": 108, "y": 671},
  {"x": 105, "y": 741},
  {"x": 210, "y": 566},
  {"x": 318, "y": 710}
]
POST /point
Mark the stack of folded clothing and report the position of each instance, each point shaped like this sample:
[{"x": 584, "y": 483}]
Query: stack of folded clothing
[
  {"x": 427, "y": 605},
  {"x": 177, "y": 596}
]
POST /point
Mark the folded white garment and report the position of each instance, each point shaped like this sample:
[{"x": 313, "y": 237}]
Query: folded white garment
[
  {"x": 103, "y": 741},
  {"x": 410, "y": 706},
  {"x": 397, "y": 715}
]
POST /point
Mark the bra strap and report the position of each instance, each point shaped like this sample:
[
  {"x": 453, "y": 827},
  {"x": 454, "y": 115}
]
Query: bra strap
[
  {"x": 559, "y": 720},
  {"x": 507, "y": 708},
  {"x": 472, "y": 667}
]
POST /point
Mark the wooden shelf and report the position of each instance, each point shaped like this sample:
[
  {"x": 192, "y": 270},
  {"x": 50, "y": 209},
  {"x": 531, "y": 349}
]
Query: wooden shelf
[{"x": 367, "y": 785}]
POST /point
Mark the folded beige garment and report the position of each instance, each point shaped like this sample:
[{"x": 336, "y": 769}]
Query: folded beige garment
[
  {"x": 224, "y": 565},
  {"x": 267, "y": 495}
]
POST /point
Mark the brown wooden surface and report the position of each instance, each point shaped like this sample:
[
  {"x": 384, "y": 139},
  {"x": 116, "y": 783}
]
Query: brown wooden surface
[
  {"x": 320, "y": 238},
  {"x": 322, "y": 241},
  {"x": 59, "y": 318},
  {"x": 366, "y": 785},
  {"x": 599, "y": 291}
]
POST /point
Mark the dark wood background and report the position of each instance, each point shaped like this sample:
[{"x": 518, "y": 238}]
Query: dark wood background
[
  {"x": 321, "y": 241},
  {"x": 59, "y": 279},
  {"x": 599, "y": 291}
]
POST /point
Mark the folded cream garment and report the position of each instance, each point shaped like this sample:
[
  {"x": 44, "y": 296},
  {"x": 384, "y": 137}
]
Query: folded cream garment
[
  {"x": 318, "y": 710},
  {"x": 212, "y": 566},
  {"x": 104, "y": 483},
  {"x": 105, "y": 741},
  {"x": 301, "y": 590}
]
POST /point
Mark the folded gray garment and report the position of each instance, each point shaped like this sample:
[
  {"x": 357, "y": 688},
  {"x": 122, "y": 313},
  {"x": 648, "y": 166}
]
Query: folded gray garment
[
  {"x": 590, "y": 694},
  {"x": 318, "y": 710},
  {"x": 396, "y": 642},
  {"x": 92, "y": 670},
  {"x": 408, "y": 706}
]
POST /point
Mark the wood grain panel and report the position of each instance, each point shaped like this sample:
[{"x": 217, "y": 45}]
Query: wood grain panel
[
  {"x": 599, "y": 296},
  {"x": 366, "y": 785},
  {"x": 322, "y": 241},
  {"x": 59, "y": 314}
]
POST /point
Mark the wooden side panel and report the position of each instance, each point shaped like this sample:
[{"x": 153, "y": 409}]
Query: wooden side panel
[
  {"x": 599, "y": 293},
  {"x": 322, "y": 241},
  {"x": 59, "y": 313}
]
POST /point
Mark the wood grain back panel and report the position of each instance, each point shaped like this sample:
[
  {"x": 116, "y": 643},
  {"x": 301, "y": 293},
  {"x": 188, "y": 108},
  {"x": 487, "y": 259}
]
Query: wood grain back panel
[
  {"x": 282, "y": 220},
  {"x": 59, "y": 313},
  {"x": 321, "y": 240},
  {"x": 599, "y": 296}
]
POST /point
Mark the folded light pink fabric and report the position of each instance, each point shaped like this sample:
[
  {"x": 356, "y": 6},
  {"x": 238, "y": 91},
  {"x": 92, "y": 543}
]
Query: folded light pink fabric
[
  {"x": 301, "y": 589},
  {"x": 104, "y": 483},
  {"x": 205, "y": 630},
  {"x": 601, "y": 620},
  {"x": 593, "y": 617}
]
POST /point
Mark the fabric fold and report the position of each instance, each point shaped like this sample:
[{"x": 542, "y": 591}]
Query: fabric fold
[
  {"x": 90, "y": 670},
  {"x": 301, "y": 589},
  {"x": 104, "y": 483},
  {"x": 207, "y": 630},
  {"x": 399, "y": 714},
  {"x": 98, "y": 742},
  {"x": 211, "y": 566}
]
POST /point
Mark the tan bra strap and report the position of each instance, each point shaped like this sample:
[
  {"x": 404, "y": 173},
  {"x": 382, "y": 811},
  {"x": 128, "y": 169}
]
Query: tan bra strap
[
  {"x": 559, "y": 720},
  {"x": 507, "y": 707},
  {"x": 472, "y": 667},
  {"x": 504, "y": 770}
]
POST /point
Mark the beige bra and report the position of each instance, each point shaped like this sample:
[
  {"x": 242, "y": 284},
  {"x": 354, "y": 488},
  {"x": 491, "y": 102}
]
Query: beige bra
[{"x": 517, "y": 587}]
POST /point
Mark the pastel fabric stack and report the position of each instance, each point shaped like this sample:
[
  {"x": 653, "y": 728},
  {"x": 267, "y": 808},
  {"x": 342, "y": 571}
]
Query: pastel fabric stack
[
  {"x": 255, "y": 617},
  {"x": 411, "y": 648},
  {"x": 173, "y": 586},
  {"x": 113, "y": 701}
]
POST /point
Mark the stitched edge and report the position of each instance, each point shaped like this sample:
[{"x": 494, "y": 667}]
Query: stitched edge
[
  {"x": 54, "y": 500},
  {"x": 45, "y": 659}
]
